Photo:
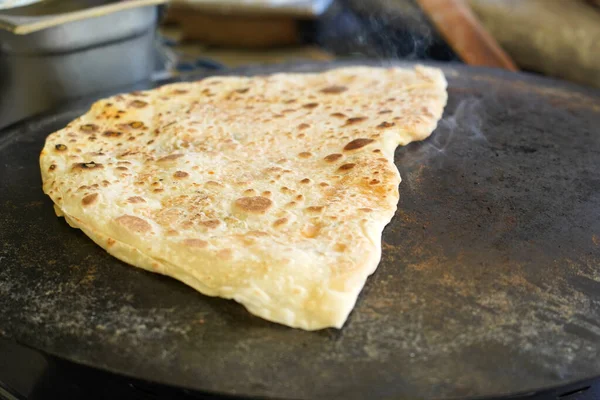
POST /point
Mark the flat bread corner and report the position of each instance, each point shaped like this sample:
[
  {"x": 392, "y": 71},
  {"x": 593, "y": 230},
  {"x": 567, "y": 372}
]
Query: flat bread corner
[{"x": 269, "y": 190}]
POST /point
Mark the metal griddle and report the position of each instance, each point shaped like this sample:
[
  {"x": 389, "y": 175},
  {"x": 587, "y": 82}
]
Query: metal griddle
[{"x": 489, "y": 282}]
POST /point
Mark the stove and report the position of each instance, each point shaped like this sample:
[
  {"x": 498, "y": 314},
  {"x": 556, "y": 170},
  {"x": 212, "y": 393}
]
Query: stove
[{"x": 28, "y": 374}]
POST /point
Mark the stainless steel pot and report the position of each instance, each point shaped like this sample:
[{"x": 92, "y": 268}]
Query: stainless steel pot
[{"x": 53, "y": 65}]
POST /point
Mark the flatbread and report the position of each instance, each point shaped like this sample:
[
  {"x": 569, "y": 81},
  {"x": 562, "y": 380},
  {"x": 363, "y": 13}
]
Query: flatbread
[{"x": 272, "y": 191}]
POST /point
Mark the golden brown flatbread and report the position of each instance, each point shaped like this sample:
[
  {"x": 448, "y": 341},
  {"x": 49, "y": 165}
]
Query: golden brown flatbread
[{"x": 272, "y": 191}]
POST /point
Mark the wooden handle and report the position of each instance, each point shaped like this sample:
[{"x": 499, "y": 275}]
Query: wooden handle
[{"x": 465, "y": 34}]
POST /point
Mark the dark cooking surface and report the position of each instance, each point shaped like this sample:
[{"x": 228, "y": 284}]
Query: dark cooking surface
[{"x": 489, "y": 281}]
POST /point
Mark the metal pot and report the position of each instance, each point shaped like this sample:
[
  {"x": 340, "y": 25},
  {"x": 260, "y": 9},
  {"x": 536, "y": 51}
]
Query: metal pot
[{"x": 50, "y": 66}]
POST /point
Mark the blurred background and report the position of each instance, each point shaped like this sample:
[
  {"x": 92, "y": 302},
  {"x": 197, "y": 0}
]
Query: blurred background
[{"x": 52, "y": 51}]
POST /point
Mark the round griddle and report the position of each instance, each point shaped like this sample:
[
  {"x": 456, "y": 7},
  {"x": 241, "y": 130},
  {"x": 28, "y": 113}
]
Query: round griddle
[{"x": 489, "y": 282}]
